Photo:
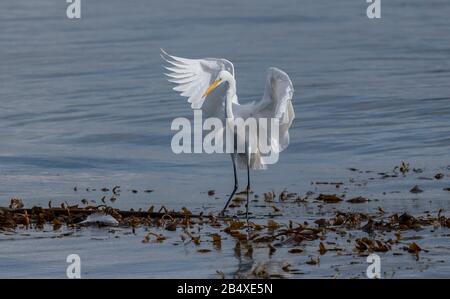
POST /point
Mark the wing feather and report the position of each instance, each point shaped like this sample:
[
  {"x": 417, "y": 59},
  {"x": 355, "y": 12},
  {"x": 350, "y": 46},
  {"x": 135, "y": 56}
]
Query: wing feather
[
  {"x": 193, "y": 76},
  {"x": 277, "y": 103}
]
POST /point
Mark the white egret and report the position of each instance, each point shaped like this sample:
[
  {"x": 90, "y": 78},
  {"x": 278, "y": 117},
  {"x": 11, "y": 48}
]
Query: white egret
[{"x": 210, "y": 85}]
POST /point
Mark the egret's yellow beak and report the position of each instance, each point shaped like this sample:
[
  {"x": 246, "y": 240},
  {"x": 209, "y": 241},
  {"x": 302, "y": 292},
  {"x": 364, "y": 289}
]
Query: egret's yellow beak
[{"x": 211, "y": 88}]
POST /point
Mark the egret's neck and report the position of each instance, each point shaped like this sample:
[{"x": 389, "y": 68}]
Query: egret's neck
[{"x": 230, "y": 98}]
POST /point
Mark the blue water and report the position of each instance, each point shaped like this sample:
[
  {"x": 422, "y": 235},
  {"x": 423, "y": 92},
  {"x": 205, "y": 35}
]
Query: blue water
[{"x": 84, "y": 102}]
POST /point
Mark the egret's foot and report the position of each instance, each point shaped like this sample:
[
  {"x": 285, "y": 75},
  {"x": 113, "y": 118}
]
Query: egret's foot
[{"x": 224, "y": 213}]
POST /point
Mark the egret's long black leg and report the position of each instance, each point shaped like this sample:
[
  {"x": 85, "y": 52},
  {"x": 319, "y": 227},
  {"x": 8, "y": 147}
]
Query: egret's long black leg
[{"x": 235, "y": 184}]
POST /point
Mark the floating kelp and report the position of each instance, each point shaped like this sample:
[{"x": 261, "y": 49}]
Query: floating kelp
[
  {"x": 74, "y": 215},
  {"x": 416, "y": 189},
  {"x": 329, "y": 198}
]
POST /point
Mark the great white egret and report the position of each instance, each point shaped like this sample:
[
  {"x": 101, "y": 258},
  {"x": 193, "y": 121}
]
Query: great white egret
[{"x": 210, "y": 85}]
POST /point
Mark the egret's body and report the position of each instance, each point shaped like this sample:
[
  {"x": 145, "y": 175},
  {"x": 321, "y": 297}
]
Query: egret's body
[{"x": 210, "y": 85}]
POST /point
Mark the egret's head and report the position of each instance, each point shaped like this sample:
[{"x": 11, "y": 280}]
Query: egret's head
[{"x": 223, "y": 76}]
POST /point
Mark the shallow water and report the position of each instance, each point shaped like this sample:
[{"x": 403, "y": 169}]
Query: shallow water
[{"x": 84, "y": 103}]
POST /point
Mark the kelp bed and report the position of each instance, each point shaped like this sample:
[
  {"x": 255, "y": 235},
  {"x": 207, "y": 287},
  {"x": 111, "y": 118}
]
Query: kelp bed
[
  {"x": 339, "y": 233},
  {"x": 379, "y": 229}
]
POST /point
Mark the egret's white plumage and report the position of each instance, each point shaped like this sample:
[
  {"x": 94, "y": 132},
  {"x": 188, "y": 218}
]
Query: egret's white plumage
[{"x": 200, "y": 80}]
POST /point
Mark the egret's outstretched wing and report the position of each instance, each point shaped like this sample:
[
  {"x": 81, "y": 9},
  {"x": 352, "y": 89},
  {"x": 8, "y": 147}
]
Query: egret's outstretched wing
[
  {"x": 194, "y": 76},
  {"x": 277, "y": 103}
]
